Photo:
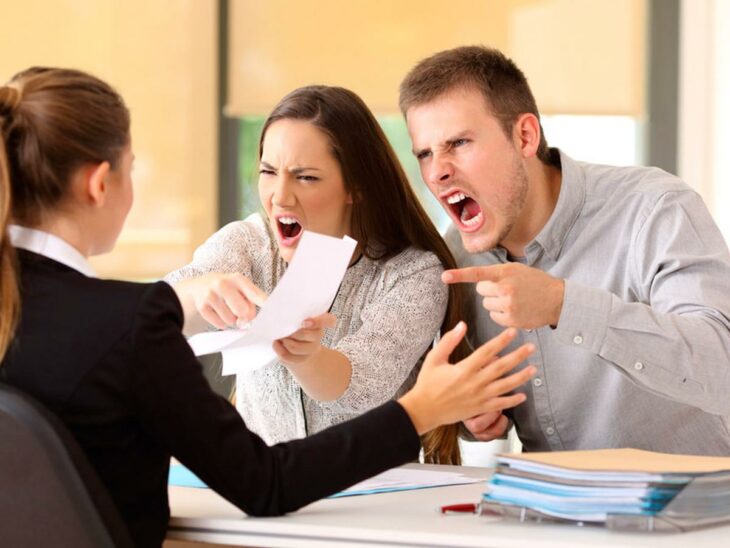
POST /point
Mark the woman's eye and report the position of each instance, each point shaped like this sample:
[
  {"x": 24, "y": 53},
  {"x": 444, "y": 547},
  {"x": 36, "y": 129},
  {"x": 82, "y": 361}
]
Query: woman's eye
[{"x": 308, "y": 178}]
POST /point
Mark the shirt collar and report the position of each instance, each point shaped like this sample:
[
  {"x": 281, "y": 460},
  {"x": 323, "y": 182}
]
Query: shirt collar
[
  {"x": 567, "y": 209},
  {"x": 48, "y": 245}
]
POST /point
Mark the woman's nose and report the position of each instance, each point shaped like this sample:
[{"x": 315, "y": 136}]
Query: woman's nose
[{"x": 283, "y": 195}]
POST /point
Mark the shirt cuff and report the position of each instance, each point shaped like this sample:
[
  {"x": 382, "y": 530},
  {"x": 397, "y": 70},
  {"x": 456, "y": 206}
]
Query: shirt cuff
[{"x": 584, "y": 317}]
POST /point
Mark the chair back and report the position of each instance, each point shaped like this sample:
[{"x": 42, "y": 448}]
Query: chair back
[{"x": 49, "y": 493}]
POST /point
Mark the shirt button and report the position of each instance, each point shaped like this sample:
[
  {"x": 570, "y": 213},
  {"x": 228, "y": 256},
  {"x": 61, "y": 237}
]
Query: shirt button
[
  {"x": 578, "y": 339},
  {"x": 528, "y": 330},
  {"x": 638, "y": 366},
  {"x": 537, "y": 382},
  {"x": 550, "y": 430}
]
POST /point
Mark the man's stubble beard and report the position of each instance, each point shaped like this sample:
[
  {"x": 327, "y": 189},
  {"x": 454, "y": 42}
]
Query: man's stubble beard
[{"x": 515, "y": 202}]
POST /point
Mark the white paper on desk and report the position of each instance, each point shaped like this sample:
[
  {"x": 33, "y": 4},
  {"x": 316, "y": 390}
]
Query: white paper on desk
[
  {"x": 306, "y": 289},
  {"x": 403, "y": 479}
]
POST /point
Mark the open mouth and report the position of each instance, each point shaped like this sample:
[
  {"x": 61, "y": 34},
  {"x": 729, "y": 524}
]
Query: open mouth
[
  {"x": 465, "y": 210},
  {"x": 290, "y": 229}
]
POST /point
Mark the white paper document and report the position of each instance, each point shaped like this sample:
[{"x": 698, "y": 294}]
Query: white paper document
[
  {"x": 403, "y": 479},
  {"x": 306, "y": 289}
]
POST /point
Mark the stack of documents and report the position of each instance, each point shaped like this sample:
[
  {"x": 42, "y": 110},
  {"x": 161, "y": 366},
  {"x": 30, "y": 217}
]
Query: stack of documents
[{"x": 597, "y": 486}]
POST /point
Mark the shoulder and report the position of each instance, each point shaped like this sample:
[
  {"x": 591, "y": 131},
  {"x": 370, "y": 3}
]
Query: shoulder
[
  {"x": 233, "y": 248},
  {"x": 411, "y": 270},
  {"x": 251, "y": 233},
  {"x": 644, "y": 186},
  {"x": 124, "y": 303},
  {"x": 158, "y": 309},
  {"x": 412, "y": 261},
  {"x": 90, "y": 313},
  {"x": 134, "y": 301}
]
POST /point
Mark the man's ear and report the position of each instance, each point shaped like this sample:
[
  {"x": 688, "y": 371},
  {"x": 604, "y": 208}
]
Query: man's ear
[
  {"x": 527, "y": 134},
  {"x": 95, "y": 182}
]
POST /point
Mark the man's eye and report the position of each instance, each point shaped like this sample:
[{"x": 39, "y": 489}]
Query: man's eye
[
  {"x": 459, "y": 142},
  {"x": 264, "y": 171},
  {"x": 423, "y": 155}
]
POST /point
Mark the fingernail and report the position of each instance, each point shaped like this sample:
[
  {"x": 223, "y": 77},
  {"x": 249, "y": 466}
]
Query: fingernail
[
  {"x": 530, "y": 347},
  {"x": 307, "y": 323},
  {"x": 446, "y": 277}
]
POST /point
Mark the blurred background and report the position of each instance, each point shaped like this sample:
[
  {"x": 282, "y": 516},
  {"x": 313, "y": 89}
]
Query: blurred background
[{"x": 617, "y": 81}]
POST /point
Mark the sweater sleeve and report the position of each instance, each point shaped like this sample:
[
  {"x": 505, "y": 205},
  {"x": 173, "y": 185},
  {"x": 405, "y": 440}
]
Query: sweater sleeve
[
  {"x": 233, "y": 248},
  {"x": 398, "y": 326},
  {"x": 207, "y": 434}
]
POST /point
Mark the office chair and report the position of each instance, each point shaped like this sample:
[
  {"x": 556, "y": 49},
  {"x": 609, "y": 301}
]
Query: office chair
[{"x": 49, "y": 493}]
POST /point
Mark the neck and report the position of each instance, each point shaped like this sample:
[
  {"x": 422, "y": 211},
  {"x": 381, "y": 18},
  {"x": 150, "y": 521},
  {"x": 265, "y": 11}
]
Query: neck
[
  {"x": 543, "y": 189},
  {"x": 69, "y": 230}
]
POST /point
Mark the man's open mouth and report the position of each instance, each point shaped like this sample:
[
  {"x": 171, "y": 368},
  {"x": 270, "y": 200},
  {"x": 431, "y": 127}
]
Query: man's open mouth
[
  {"x": 465, "y": 210},
  {"x": 289, "y": 229}
]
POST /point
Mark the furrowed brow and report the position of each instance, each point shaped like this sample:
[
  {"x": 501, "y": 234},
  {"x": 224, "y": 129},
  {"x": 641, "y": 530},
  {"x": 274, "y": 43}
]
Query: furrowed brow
[{"x": 300, "y": 170}]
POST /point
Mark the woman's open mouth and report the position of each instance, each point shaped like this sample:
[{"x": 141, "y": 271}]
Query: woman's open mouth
[
  {"x": 465, "y": 210},
  {"x": 290, "y": 230}
]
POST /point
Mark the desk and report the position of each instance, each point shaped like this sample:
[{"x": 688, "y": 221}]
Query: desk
[{"x": 397, "y": 520}]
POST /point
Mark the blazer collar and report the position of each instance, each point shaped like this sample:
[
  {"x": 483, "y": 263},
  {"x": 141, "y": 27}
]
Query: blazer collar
[{"x": 48, "y": 245}]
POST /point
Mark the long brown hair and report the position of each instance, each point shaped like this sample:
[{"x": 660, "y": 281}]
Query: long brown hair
[
  {"x": 52, "y": 122},
  {"x": 387, "y": 217}
]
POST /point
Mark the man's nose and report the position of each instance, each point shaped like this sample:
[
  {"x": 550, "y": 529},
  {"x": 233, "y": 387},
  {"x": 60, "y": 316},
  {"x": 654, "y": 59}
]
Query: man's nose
[{"x": 442, "y": 170}]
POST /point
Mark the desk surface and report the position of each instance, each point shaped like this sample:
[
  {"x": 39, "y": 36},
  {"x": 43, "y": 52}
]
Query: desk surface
[{"x": 400, "y": 519}]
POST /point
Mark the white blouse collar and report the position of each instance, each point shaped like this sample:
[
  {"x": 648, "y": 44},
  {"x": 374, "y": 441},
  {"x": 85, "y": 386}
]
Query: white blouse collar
[{"x": 48, "y": 245}]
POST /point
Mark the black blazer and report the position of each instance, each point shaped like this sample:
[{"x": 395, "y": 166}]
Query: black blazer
[{"x": 109, "y": 359}]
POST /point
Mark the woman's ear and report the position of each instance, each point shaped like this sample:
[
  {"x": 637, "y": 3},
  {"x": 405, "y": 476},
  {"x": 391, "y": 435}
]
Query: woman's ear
[
  {"x": 353, "y": 196},
  {"x": 95, "y": 182}
]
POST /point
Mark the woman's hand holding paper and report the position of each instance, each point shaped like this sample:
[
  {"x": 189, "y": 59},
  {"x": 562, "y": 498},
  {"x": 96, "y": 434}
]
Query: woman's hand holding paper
[{"x": 222, "y": 300}]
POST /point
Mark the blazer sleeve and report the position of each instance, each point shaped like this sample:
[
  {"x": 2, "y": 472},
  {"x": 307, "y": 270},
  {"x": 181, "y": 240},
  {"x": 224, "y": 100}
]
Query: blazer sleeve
[{"x": 206, "y": 433}]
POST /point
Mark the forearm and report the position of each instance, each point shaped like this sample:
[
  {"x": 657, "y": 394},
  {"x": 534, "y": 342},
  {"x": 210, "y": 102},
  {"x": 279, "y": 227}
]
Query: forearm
[
  {"x": 325, "y": 376},
  {"x": 684, "y": 356}
]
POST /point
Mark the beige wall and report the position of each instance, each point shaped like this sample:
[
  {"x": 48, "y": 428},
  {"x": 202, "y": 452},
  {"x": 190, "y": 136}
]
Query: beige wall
[
  {"x": 580, "y": 56},
  {"x": 161, "y": 56}
]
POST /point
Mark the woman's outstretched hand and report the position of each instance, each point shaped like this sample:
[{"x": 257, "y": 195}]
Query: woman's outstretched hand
[
  {"x": 446, "y": 393},
  {"x": 221, "y": 300}
]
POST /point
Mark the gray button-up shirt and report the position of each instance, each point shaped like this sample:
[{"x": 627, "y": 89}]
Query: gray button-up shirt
[{"x": 641, "y": 354}]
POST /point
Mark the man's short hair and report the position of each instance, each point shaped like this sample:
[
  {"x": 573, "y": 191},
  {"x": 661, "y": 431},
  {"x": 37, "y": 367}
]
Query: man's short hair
[{"x": 502, "y": 83}]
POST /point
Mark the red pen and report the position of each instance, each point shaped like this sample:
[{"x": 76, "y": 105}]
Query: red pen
[{"x": 465, "y": 508}]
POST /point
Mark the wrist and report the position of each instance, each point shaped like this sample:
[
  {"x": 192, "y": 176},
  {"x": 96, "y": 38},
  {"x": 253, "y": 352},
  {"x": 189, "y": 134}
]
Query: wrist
[
  {"x": 419, "y": 414},
  {"x": 314, "y": 358}
]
